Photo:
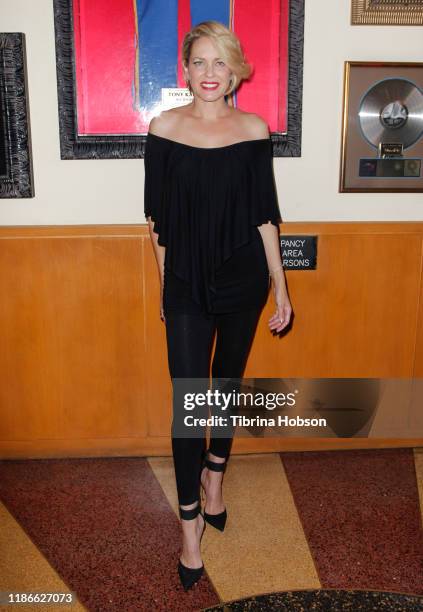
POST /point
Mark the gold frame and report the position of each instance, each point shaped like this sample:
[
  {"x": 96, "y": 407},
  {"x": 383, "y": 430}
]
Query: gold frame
[{"x": 386, "y": 12}]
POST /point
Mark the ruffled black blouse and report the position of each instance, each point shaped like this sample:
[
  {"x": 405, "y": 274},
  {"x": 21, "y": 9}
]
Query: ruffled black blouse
[{"x": 206, "y": 203}]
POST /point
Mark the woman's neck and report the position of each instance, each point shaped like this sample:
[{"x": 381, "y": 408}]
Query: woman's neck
[{"x": 209, "y": 111}]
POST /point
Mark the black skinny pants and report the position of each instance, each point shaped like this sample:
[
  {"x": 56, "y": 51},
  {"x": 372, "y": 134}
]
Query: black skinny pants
[{"x": 189, "y": 344}]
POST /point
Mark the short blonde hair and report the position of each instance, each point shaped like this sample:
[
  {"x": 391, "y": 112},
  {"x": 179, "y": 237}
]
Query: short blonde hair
[{"x": 228, "y": 45}]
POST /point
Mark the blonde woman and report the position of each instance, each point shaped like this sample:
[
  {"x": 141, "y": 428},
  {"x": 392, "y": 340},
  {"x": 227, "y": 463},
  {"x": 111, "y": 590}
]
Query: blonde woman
[{"x": 213, "y": 217}]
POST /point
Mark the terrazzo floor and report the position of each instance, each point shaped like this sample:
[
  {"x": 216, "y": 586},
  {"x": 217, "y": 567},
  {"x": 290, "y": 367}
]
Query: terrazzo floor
[{"x": 305, "y": 531}]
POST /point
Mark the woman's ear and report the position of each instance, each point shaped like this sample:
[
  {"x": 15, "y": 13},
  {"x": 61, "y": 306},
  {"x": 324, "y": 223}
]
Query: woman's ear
[
  {"x": 186, "y": 76},
  {"x": 185, "y": 70}
]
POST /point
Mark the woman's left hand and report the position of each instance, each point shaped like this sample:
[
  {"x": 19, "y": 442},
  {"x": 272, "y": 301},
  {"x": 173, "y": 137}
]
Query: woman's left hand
[{"x": 283, "y": 311}]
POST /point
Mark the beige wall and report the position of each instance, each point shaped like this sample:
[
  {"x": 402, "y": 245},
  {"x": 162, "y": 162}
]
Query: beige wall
[{"x": 110, "y": 191}]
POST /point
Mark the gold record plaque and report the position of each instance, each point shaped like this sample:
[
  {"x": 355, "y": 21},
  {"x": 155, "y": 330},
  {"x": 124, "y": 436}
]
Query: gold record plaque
[{"x": 382, "y": 131}]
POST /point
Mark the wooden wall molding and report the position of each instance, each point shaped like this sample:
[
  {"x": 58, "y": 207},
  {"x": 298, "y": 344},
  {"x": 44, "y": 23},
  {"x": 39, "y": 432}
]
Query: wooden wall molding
[{"x": 83, "y": 360}]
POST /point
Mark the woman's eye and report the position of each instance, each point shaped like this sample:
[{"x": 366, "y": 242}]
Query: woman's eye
[
  {"x": 197, "y": 62},
  {"x": 220, "y": 63}
]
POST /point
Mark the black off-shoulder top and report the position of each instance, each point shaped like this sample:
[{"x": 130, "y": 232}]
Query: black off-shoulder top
[{"x": 206, "y": 203}]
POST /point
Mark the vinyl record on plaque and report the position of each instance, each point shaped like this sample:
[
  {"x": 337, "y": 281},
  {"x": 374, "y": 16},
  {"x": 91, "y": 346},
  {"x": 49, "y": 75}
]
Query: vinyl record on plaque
[{"x": 392, "y": 111}]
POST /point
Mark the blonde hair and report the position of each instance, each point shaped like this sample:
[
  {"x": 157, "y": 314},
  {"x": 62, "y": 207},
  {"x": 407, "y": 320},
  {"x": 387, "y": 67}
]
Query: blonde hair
[{"x": 229, "y": 48}]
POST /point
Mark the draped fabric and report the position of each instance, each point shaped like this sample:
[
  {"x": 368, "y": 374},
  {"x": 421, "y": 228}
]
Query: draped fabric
[
  {"x": 128, "y": 51},
  {"x": 158, "y": 48},
  {"x": 206, "y": 204}
]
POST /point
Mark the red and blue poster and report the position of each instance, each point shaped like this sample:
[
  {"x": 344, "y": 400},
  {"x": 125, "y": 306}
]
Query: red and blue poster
[{"x": 127, "y": 52}]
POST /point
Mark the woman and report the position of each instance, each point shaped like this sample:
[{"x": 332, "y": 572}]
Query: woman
[{"x": 212, "y": 212}]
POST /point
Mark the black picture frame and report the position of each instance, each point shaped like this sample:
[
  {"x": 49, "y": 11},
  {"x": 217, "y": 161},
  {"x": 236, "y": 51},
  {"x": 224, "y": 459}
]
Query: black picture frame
[
  {"x": 16, "y": 176},
  {"x": 73, "y": 146}
]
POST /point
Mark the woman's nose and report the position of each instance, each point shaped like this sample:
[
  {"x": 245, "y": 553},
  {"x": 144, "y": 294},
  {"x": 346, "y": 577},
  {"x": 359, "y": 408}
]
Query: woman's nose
[{"x": 209, "y": 70}]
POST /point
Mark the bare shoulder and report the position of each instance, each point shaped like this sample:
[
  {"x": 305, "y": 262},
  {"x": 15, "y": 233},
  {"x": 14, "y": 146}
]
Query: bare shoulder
[
  {"x": 164, "y": 123},
  {"x": 254, "y": 125}
]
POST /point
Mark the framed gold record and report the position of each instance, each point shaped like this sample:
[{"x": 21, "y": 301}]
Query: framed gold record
[{"x": 382, "y": 127}]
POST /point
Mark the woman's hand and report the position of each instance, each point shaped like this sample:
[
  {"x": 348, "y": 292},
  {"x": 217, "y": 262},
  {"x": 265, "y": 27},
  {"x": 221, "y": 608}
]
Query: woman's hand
[
  {"x": 270, "y": 235},
  {"x": 283, "y": 311}
]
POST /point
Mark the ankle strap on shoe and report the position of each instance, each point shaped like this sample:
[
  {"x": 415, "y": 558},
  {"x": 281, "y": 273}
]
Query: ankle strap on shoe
[
  {"x": 215, "y": 467},
  {"x": 188, "y": 515}
]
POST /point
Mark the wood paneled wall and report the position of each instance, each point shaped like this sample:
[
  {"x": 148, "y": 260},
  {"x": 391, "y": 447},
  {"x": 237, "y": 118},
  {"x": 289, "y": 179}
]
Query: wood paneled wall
[{"x": 83, "y": 358}]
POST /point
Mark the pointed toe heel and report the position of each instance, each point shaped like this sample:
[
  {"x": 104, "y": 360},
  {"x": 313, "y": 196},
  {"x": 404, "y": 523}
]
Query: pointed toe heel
[
  {"x": 218, "y": 521},
  {"x": 190, "y": 575}
]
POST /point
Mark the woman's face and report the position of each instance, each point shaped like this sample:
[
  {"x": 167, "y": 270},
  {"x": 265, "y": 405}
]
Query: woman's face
[{"x": 208, "y": 74}]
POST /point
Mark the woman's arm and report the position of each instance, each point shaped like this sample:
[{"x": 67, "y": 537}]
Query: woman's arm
[
  {"x": 154, "y": 162},
  {"x": 270, "y": 237},
  {"x": 159, "y": 254},
  {"x": 159, "y": 251}
]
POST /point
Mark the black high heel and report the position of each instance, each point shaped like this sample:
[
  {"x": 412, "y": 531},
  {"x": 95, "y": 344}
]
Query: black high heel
[
  {"x": 218, "y": 521},
  {"x": 188, "y": 575}
]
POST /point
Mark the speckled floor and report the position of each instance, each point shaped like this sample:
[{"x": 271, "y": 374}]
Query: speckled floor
[
  {"x": 306, "y": 531},
  {"x": 333, "y": 600}
]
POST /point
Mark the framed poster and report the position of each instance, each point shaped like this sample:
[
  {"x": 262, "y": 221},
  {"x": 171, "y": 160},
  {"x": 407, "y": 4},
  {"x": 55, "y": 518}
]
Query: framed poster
[
  {"x": 15, "y": 149},
  {"x": 386, "y": 12},
  {"x": 382, "y": 133},
  {"x": 119, "y": 64}
]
